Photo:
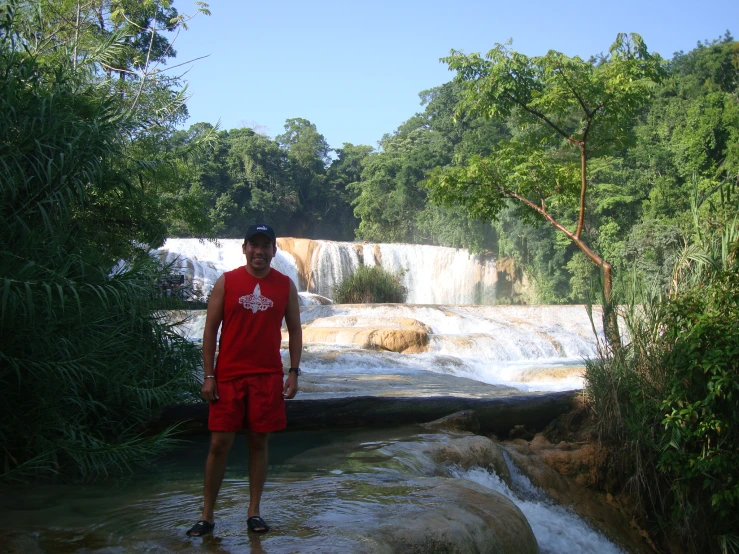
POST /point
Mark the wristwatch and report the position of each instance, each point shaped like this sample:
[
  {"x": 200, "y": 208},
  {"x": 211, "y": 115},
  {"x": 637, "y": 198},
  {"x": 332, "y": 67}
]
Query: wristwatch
[{"x": 295, "y": 370}]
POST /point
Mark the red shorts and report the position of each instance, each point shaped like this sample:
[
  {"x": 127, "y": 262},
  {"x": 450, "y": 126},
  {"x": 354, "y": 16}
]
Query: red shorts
[{"x": 252, "y": 402}]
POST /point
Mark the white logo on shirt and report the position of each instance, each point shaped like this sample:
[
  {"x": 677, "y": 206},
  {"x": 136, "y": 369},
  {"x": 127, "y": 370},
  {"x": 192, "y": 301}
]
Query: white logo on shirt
[{"x": 256, "y": 302}]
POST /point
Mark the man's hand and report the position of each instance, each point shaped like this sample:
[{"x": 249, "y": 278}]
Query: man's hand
[
  {"x": 209, "y": 390},
  {"x": 291, "y": 386}
]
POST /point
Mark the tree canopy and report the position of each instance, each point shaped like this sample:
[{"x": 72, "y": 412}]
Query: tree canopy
[{"x": 611, "y": 147}]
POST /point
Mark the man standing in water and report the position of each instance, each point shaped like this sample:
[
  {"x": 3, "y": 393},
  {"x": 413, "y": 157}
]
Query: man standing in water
[{"x": 245, "y": 388}]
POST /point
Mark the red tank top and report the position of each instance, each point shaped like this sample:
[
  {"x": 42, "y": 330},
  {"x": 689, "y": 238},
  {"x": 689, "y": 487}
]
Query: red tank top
[{"x": 253, "y": 309}]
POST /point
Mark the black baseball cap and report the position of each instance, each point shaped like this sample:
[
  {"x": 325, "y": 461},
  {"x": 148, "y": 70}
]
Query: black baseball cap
[{"x": 261, "y": 229}]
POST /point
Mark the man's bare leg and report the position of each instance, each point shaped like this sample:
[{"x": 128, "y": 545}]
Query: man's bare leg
[
  {"x": 215, "y": 468},
  {"x": 258, "y": 456}
]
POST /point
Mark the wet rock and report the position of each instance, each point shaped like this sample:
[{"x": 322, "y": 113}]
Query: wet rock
[
  {"x": 400, "y": 499},
  {"x": 302, "y": 252},
  {"x": 520, "y": 432},
  {"x": 584, "y": 463},
  {"x": 402, "y": 341},
  {"x": 496, "y": 415},
  {"x": 468, "y": 452},
  {"x": 465, "y": 420},
  {"x": 567, "y": 472},
  {"x": 402, "y": 334},
  {"x": 576, "y": 425},
  {"x": 456, "y": 517}
]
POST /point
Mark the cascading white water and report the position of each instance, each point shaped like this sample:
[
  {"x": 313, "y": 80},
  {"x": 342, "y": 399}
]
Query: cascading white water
[
  {"x": 202, "y": 262},
  {"x": 557, "y": 529},
  {"x": 438, "y": 275},
  {"x": 533, "y": 348},
  {"x": 432, "y": 274},
  {"x": 331, "y": 263}
]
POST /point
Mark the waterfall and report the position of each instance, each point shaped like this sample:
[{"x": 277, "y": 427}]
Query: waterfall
[
  {"x": 529, "y": 348},
  {"x": 202, "y": 262},
  {"x": 444, "y": 328},
  {"x": 558, "y": 530},
  {"x": 432, "y": 274},
  {"x": 438, "y": 275}
]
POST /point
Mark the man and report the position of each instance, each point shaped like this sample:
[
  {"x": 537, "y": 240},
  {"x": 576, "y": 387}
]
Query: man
[{"x": 245, "y": 387}]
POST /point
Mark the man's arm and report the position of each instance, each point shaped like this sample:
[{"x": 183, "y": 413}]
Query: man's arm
[
  {"x": 295, "y": 340},
  {"x": 213, "y": 320}
]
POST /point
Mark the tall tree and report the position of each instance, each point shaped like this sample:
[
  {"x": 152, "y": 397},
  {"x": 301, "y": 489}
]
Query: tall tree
[
  {"x": 389, "y": 196},
  {"x": 308, "y": 158},
  {"x": 345, "y": 169},
  {"x": 76, "y": 198},
  {"x": 567, "y": 111}
]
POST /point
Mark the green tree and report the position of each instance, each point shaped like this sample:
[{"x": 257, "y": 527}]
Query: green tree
[
  {"x": 261, "y": 188},
  {"x": 566, "y": 112},
  {"x": 389, "y": 197},
  {"x": 666, "y": 402},
  {"x": 76, "y": 197},
  {"x": 307, "y": 160},
  {"x": 345, "y": 169},
  {"x": 103, "y": 41},
  {"x": 199, "y": 175}
]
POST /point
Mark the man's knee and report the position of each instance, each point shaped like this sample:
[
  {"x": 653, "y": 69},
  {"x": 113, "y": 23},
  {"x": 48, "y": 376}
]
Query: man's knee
[
  {"x": 220, "y": 443},
  {"x": 257, "y": 441}
]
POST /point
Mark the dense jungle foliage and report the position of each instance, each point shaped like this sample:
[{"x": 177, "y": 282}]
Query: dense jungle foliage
[
  {"x": 683, "y": 129},
  {"x": 85, "y": 358},
  {"x": 665, "y": 403}
]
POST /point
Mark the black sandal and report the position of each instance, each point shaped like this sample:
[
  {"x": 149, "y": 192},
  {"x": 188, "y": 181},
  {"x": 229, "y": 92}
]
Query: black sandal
[
  {"x": 201, "y": 528},
  {"x": 257, "y": 525}
]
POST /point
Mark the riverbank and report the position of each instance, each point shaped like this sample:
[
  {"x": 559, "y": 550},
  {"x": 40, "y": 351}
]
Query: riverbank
[{"x": 569, "y": 462}]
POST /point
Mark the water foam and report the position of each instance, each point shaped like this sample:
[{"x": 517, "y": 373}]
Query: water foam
[{"x": 557, "y": 529}]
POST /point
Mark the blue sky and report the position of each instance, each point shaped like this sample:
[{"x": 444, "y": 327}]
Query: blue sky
[{"x": 354, "y": 68}]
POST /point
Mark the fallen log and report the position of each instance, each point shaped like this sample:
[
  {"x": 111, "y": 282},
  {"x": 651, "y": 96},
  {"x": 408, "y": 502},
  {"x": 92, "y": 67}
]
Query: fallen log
[{"x": 495, "y": 415}]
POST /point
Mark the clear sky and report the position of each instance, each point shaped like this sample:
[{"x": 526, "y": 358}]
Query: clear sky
[{"x": 354, "y": 68}]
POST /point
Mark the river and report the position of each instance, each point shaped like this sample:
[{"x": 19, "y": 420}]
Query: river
[{"x": 327, "y": 492}]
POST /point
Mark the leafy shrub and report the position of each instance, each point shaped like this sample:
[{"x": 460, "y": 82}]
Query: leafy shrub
[
  {"x": 666, "y": 403},
  {"x": 85, "y": 359},
  {"x": 371, "y": 285}
]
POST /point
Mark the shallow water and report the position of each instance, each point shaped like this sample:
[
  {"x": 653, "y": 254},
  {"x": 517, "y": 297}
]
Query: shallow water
[{"x": 327, "y": 492}]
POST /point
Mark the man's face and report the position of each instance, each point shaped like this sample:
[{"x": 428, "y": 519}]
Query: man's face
[{"x": 259, "y": 251}]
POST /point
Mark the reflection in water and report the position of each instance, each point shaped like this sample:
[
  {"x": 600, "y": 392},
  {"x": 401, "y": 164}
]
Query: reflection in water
[{"x": 327, "y": 492}]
